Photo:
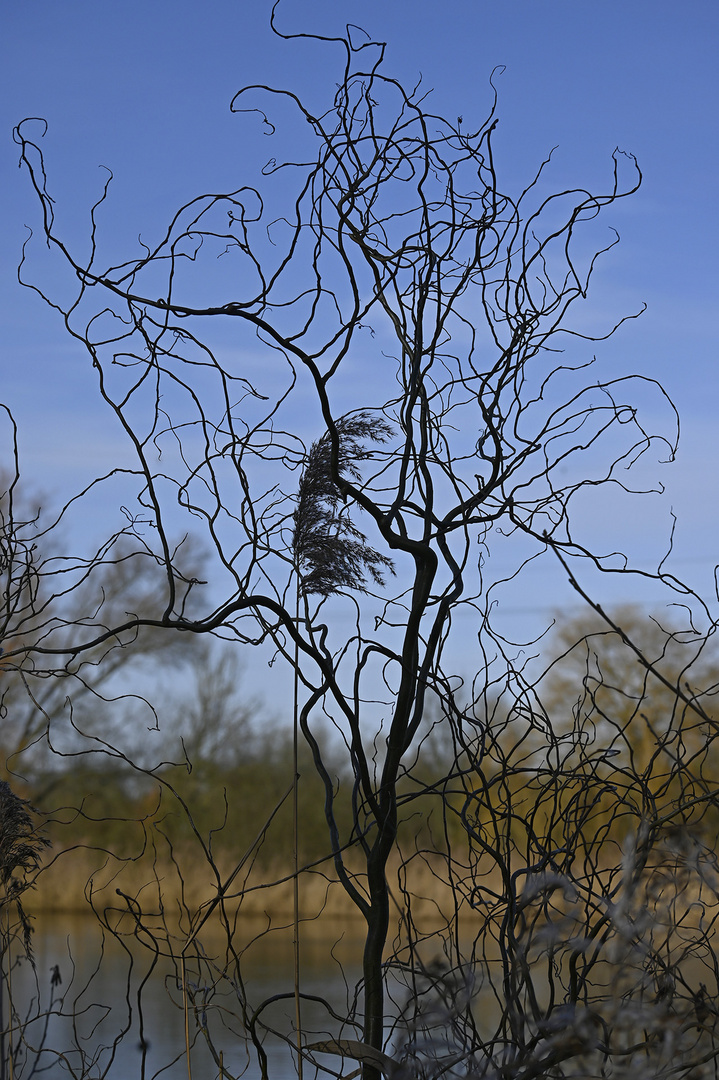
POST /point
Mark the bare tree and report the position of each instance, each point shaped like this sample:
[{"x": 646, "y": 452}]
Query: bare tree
[
  {"x": 34, "y": 565},
  {"x": 365, "y": 395}
]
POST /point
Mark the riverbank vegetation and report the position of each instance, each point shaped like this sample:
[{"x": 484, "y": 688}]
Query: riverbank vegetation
[
  {"x": 572, "y": 849},
  {"x": 617, "y": 744}
]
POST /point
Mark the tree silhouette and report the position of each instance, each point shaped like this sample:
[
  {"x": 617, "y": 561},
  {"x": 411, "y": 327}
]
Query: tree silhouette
[{"x": 400, "y": 328}]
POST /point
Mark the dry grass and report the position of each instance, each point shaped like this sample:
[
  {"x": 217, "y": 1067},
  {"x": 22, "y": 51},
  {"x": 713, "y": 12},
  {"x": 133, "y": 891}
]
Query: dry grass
[{"x": 69, "y": 878}]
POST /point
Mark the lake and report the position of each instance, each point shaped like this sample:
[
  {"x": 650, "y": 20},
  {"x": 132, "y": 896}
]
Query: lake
[{"x": 100, "y": 1032}]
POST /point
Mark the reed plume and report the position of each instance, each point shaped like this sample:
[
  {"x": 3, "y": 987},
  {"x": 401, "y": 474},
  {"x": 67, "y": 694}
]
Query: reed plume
[
  {"x": 20, "y": 849},
  {"x": 331, "y": 553}
]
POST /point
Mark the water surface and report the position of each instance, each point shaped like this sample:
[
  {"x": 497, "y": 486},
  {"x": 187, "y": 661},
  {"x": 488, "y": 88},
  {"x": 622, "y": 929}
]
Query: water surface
[{"x": 122, "y": 1009}]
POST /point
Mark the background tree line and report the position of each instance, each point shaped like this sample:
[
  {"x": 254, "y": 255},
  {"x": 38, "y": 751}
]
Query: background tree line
[{"x": 228, "y": 759}]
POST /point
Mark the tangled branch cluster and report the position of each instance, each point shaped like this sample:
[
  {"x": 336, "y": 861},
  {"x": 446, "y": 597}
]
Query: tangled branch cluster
[{"x": 569, "y": 927}]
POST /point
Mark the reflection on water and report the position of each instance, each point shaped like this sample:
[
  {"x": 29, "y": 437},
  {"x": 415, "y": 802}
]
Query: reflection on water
[{"x": 117, "y": 999}]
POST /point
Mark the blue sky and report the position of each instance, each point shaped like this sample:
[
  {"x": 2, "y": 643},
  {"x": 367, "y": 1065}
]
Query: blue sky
[{"x": 144, "y": 87}]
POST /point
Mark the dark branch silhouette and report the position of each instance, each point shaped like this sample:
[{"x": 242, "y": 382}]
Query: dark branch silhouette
[{"x": 538, "y": 897}]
